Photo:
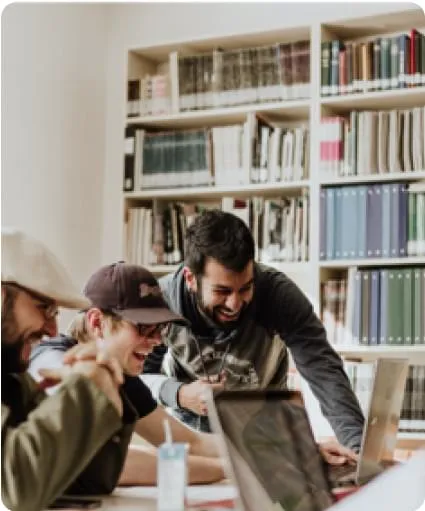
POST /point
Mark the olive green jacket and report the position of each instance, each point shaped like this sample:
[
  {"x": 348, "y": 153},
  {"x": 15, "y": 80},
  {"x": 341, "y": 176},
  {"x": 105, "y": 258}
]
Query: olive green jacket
[{"x": 73, "y": 441}]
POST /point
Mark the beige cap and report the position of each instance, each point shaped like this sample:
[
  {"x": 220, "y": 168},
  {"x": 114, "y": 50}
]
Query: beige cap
[{"x": 30, "y": 264}]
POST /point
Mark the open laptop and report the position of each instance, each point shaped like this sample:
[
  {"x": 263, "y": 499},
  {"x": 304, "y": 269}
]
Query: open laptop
[
  {"x": 272, "y": 456},
  {"x": 271, "y": 453},
  {"x": 380, "y": 431}
]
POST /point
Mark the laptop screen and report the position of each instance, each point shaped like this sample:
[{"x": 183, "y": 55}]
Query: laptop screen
[{"x": 272, "y": 452}]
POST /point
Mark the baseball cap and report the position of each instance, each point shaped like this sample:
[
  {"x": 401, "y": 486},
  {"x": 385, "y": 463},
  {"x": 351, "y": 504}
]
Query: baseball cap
[
  {"x": 30, "y": 264},
  {"x": 132, "y": 292}
]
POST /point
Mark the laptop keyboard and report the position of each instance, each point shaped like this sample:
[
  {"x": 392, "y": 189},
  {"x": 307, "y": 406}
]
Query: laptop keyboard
[{"x": 342, "y": 473}]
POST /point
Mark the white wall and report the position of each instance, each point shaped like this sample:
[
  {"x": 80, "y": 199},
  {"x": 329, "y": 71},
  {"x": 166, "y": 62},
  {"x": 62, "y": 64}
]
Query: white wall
[
  {"x": 53, "y": 124},
  {"x": 148, "y": 24}
]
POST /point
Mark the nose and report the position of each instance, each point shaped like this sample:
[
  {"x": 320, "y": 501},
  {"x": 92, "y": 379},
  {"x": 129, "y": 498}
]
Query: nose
[
  {"x": 154, "y": 339},
  {"x": 233, "y": 302},
  {"x": 50, "y": 327}
]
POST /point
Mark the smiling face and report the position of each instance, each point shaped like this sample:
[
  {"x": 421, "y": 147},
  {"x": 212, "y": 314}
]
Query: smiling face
[
  {"x": 131, "y": 348},
  {"x": 222, "y": 294},
  {"x": 25, "y": 319},
  {"x": 129, "y": 343}
]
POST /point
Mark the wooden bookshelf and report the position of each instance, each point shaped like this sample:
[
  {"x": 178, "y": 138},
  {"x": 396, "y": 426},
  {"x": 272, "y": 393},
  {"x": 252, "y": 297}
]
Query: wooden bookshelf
[
  {"x": 364, "y": 263},
  {"x": 311, "y": 274},
  {"x": 288, "y": 188},
  {"x": 386, "y": 99},
  {"x": 290, "y": 109},
  {"x": 375, "y": 178}
]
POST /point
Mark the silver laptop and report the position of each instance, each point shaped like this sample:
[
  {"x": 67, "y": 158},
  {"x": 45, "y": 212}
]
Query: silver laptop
[
  {"x": 270, "y": 450},
  {"x": 271, "y": 453},
  {"x": 380, "y": 432}
]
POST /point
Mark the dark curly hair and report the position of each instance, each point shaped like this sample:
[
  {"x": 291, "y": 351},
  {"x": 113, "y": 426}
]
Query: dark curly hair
[{"x": 221, "y": 236}]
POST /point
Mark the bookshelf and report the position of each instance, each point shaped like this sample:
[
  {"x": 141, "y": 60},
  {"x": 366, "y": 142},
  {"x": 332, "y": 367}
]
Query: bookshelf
[{"x": 307, "y": 112}]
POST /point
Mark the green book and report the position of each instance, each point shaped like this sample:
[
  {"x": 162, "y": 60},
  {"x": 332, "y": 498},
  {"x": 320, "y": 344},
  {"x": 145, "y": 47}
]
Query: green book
[
  {"x": 411, "y": 228},
  {"x": 417, "y": 311},
  {"x": 395, "y": 296},
  {"x": 407, "y": 305}
]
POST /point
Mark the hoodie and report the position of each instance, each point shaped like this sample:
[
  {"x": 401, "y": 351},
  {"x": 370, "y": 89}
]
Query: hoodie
[{"x": 254, "y": 354}]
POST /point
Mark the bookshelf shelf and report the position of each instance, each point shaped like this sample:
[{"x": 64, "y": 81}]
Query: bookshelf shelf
[
  {"x": 388, "y": 261},
  {"x": 381, "y": 349},
  {"x": 407, "y": 435},
  {"x": 398, "y": 98},
  {"x": 205, "y": 192},
  {"x": 375, "y": 178},
  {"x": 288, "y": 267},
  {"x": 291, "y": 109},
  {"x": 162, "y": 269}
]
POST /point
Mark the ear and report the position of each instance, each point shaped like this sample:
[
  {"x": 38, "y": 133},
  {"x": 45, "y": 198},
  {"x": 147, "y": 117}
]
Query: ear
[
  {"x": 94, "y": 317},
  {"x": 190, "y": 279}
]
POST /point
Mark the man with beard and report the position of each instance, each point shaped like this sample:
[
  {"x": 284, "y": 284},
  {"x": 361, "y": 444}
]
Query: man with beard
[
  {"x": 243, "y": 315},
  {"x": 48, "y": 441}
]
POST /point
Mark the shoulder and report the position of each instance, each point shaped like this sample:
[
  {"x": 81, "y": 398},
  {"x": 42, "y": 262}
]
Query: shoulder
[
  {"x": 61, "y": 343},
  {"x": 279, "y": 301},
  {"x": 48, "y": 354},
  {"x": 269, "y": 280}
]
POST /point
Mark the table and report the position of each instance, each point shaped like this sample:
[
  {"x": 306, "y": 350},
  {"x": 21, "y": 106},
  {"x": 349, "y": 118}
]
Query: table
[{"x": 143, "y": 498}]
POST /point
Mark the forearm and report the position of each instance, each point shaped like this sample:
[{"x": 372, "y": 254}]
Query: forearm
[
  {"x": 54, "y": 444},
  {"x": 164, "y": 389},
  {"x": 205, "y": 445},
  {"x": 140, "y": 468},
  {"x": 338, "y": 402}
]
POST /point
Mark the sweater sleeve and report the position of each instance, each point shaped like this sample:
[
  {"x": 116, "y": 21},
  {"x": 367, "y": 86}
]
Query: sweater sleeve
[
  {"x": 45, "y": 453},
  {"x": 164, "y": 389},
  {"x": 289, "y": 312}
]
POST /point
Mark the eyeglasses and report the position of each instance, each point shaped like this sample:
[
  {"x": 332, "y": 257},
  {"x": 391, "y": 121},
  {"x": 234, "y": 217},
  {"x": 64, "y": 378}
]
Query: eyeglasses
[
  {"x": 161, "y": 330},
  {"x": 47, "y": 307}
]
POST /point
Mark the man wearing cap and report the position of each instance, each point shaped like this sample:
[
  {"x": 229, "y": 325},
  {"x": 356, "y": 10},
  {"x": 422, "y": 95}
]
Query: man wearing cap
[
  {"x": 48, "y": 441},
  {"x": 129, "y": 316}
]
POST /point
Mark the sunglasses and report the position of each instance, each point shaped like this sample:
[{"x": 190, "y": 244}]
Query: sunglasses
[{"x": 161, "y": 330}]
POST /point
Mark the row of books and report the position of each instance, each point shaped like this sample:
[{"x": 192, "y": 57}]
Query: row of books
[
  {"x": 149, "y": 95},
  {"x": 377, "y": 306},
  {"x": 373, "y": 142},
  {"x": 377, "y": 64},
  {"x": 279, "y": 227},
  {"x": 253, "y": 152},
  {"x": 223, "y": 78},
  {"x": 412, "y": 416},
  {"x": 372, "y": 221},
  {"x": 155, "y": 235},
  {"x": 245, "y": 75}
]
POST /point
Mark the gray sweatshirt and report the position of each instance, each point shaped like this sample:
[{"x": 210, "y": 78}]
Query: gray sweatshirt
[{"x": 254, "y": 354}]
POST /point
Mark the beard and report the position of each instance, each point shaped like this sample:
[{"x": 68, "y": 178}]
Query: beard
[
  {"x": 11, "y": 357},
  {"x": 13, "y": 344},
  {"x": 212, "y": 312}
]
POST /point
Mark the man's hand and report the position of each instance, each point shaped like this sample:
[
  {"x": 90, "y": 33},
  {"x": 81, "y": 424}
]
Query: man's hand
[
  {"x": 93, "y": 363},
  {"x": 192, "y": 396},
  {"x": 95, "y": 351},
  {"x": 336, "y": 454}
]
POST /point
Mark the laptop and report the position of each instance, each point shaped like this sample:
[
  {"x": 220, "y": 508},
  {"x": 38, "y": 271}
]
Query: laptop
[
  {"x": 380, "y": 432},
  {"x": 271, "y": 453},
  {"x": 272, "y": 457}
]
